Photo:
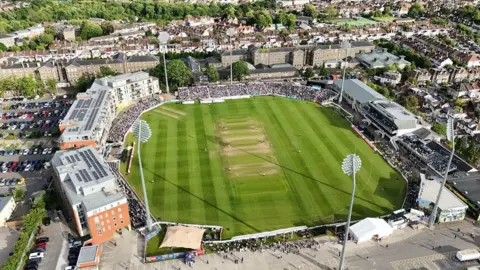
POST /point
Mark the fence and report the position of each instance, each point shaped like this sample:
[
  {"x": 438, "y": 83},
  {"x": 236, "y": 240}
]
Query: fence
[{"x": 29, "y": 244}]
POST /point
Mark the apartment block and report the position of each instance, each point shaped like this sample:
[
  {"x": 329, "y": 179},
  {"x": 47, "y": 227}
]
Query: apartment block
[
  {"x": 129, "y": 86},
  {"x": 299, "y": 56},
  {"x": 89, "y": 119},
  {"x": 90, "y": 194},
  {"x": 70, "y": 71}
]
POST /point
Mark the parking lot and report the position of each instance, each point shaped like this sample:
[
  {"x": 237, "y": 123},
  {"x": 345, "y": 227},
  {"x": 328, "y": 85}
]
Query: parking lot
[{"x": 32, "y": 119}]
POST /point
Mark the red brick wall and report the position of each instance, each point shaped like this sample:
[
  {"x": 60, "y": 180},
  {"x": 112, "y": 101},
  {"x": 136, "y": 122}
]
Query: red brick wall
[{"x": 109, "y": 219}]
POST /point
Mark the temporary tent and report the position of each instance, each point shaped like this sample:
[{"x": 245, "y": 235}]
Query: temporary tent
[
  {"x": 368, "y": 228},
  {"x": 183, "y": 237}
]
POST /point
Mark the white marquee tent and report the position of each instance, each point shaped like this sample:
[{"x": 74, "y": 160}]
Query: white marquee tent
[{"x": 368, "y": 228}]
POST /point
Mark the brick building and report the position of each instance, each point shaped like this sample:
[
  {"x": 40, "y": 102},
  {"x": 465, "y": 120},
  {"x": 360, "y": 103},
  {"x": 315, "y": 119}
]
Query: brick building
[{"x": 91, "y": 195}]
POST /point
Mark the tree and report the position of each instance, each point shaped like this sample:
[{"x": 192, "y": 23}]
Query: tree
[
  {"x": 411, "y": 103},
  {"x": 178, "y": 73},
  {"x": 330, "y": 12},
  {"x": 89, "y": 30},
  {"x": 291, "y": 19},
  {"x": 304, "y": 42},
  {"x": 3, "y": 48},
  {"x": 14, "y": 48},
  {"x": 105, "y": 72},
  {"x": 51, "y": 85},
  {"x": 387, "y": 11},
  {"x": 27, "y": 86},
  {"x": 310, "y": 10},
  {"x": 323, "y": 71},
  {"x": 415, "y": 10},
  {"x": 309, "y": 73},
  {"x": 84, "y": 82},
  {"x": 212, "y": 74},
  {"x": 18, "y": 194},
  {"x": 439, "y": 128},
  {"x": 240, "y": 70},
  {"x": 107, "y": 27}
]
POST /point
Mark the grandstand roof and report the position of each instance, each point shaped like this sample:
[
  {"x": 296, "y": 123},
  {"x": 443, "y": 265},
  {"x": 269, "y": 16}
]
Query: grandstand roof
[
  {"x": 359, "y": 90},
  {"x": 461, "y": 164},
  {"x": 468, "y": 185},
  {"x": 429, "y": 191}
]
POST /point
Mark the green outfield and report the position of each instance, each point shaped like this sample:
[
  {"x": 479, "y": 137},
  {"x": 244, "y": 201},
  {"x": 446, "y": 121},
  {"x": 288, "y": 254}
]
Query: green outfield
[{"x": 259, "y": 164}]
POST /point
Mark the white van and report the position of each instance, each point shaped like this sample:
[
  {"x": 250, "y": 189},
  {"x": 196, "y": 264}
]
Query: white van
[{"x": 36, "y": 255}]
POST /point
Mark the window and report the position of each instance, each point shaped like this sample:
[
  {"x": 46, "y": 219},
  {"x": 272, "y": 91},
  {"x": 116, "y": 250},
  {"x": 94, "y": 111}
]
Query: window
[
  {"x": 121, "y": 221},
  {"x": 119, "y": 209},
  {"x": 100, "y": 232},
  {"x": 115, "y": 224},
  {"x": 120, "y": 216},
  {"x": 101, "y": 216},
  {"x": 109, "y": 228},
  {"x": 114, "y": 218},
  {"x": 103, "y": 223}
]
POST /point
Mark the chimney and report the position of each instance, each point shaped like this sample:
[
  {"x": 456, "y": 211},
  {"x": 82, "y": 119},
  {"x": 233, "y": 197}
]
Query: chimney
[{"x": 385, "y": 50}]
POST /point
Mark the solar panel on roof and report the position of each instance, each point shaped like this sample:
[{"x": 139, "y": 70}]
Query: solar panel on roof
[
  {"x": 74, "y": 114},
  {"x": 86, "y": 103},
  {"x": 68, "y": 159},
  {"x": 95, "y": 174},
  {"x": 85, "y": 175},
  {"x": 79, "y": 103},
  {"x": 78, "y": 177},
  {"x": 91, "y": 119},
  {"x": 82, "y": 114},
  {"x": 76, "y": 157},
  {"x": 86, "y": 159},
  {"x": 97, "y": 164}
]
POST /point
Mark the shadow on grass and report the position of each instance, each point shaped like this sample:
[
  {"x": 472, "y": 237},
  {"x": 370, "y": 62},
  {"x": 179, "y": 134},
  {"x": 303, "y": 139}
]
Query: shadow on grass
[
  {"x": 388, "y": 186},
  {"x": 334, "y": 118},
  {"x": 313, "y": 179},
  {"x": 203, "y": 200}
]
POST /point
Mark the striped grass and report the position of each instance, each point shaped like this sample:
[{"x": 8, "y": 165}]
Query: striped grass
[{"x": 187, "y": 184}]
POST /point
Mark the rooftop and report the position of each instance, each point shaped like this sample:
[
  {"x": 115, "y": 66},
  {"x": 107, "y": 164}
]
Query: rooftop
[
  {"x": 359, "y": 90},
  {"x": 84, "y": 113},
  {"x": 468, "y": 184},
  {"x": 4, "y": 201},
  {"x": 86, "y": 178},
  {"x": 395, "y": 110},
  {"x": 429, "y": 191},
  {"x": 87, "y": 254}
]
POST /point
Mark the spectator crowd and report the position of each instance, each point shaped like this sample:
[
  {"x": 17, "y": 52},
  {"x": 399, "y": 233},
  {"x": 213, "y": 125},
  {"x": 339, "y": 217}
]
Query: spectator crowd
[
  {"x": 124, "y": 121},
  {"x": 256, "y": 89},
  {"x": 136, "y": 208}
]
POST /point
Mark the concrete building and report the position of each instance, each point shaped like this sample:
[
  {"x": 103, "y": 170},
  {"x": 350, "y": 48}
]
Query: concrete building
[
  {"x": 381, "y": 59},
  {"x": 128, "y": 87},
  {"x": 273, "y": 73},
  {"x": 7, "y": 40},
  {"x": 7, "y": 205},
  {"x": 90, "y": 194},
  {"x": 390, "y": 117},
  {"x": 69, "y": 34},
  {"x": 298, "y": 56},
  {"x": 450, "y": 207},
  {"x": 89, "y": 119}
]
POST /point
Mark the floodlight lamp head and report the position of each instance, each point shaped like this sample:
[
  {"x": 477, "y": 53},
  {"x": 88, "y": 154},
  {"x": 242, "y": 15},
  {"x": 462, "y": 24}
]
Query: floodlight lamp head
[
  {"x": 163, "y": 37},
  {"x": 141, "y": 130},
  {"x": 351, "y": 164},
  {"x": 450, "y": 128}
]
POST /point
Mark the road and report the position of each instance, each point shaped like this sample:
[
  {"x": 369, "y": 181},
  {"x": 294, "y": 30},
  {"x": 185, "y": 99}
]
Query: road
[{"x": 407, "y": 249}]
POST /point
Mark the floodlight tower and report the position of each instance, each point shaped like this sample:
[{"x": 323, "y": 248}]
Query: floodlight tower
[
  {"x": 163, "y": 37},
  {"x": 142, "y": 132},
  {"x": 451, "y": 138},
  {"x": 345, "y": 45},
  {"x": 350, "y": 166},
  {"x": 231, "y": 32}
]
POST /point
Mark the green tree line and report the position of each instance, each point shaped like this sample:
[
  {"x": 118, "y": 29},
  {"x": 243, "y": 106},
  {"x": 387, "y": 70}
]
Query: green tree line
[{"x": 41, "y": 11}]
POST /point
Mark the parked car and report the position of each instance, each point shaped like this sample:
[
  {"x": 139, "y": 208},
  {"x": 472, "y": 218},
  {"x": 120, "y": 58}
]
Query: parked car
[
  {"x": 42, "y": 239},
  {"x": 36, "y": 255}
]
